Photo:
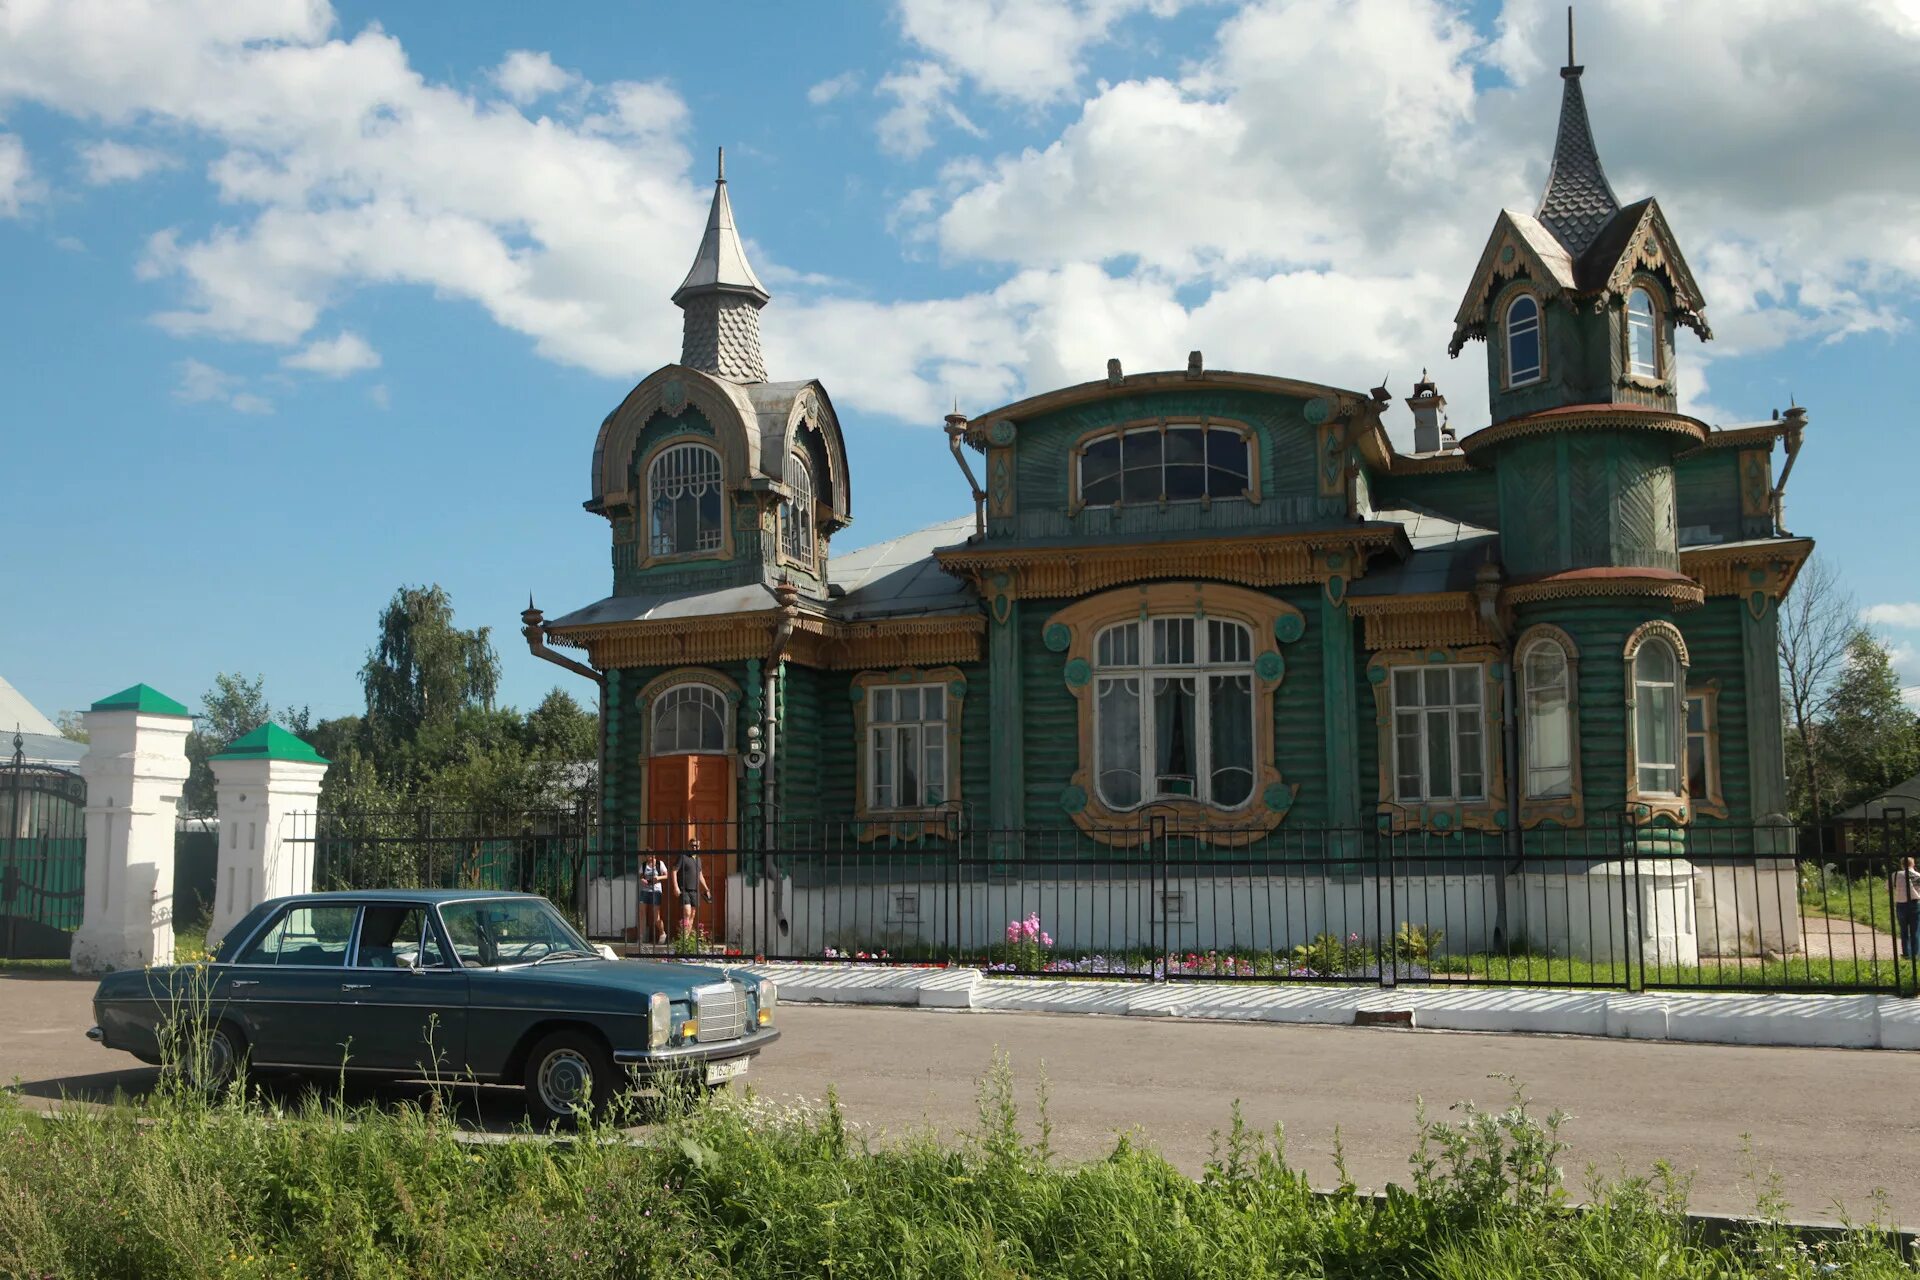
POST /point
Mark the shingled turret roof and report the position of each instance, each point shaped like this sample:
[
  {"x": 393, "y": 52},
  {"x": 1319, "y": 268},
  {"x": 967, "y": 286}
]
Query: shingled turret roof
[
  {"x": 1578, "y": 202},
  {"x": 722, "y": 299}
]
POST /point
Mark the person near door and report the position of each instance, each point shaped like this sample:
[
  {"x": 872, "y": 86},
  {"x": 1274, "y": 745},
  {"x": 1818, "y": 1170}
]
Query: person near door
[
  {"x": 691, "y": 880},
  {"x": 1906, "y": 906},
  {"x": 653, "y": 892}
]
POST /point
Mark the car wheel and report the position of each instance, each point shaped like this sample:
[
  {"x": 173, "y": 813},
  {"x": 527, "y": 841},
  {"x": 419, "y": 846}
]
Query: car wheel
[
  {"x": 569, "y": 1076},
  {"x": 210, "y": 1063}
]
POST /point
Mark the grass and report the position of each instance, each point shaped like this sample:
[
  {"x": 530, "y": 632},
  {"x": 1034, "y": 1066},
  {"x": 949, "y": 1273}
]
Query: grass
[
  {"x": 1789, "y": 974},
  {"x": 1865, "y": 899},
  {"x": 182, "y": 1185},
  {"x": 189, "y": 943}
]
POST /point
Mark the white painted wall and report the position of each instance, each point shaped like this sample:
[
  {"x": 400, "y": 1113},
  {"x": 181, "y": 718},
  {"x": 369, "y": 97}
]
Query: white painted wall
[
  {"x": 258, "y": 800},
  {"x": 135, "y": 765}
]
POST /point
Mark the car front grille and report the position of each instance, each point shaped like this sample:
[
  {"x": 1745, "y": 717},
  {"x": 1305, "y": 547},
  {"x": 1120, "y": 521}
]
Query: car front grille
[{"x": 723, "y": 1012}]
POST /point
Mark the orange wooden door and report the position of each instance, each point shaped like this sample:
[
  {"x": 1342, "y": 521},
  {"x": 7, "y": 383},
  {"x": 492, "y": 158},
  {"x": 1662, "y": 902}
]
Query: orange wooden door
[{"x": 687, "y": 798}]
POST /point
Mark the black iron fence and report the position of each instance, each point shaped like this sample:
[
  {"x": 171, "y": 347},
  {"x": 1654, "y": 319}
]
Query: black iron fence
[
  {"x": 43, "y": 844},
  {"x": 1611, "y": 905}
]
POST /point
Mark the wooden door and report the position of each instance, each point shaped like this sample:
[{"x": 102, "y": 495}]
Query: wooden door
[{"x": 687, "y": 797}]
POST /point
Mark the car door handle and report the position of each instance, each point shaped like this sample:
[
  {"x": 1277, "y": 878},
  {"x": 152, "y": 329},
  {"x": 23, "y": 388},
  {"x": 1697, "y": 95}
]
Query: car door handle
[
  {"x": 356, "y": 986},
  {"x": 246, "y": 982}
]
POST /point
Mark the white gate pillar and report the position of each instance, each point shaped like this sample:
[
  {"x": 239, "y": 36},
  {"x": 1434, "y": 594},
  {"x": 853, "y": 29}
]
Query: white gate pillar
[
  {"x": 135, "y": 765},
  {"x": 261, "y": 781}
]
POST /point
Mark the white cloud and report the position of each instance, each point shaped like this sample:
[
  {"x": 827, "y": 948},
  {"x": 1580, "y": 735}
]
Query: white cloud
[
  {"x": 1905, "y": 615},
  {"x": 17, "y": 185},
  {"x": 106, "y": 162},
  {"x": 335, "y": 357},
  {"x": 922, "y": 94},
  {"x": 1025, "y": 51},
  {"x": 833, "y": 87},
  {"x": 527, "y": 75},
  {"x": 202, "y": 383}
]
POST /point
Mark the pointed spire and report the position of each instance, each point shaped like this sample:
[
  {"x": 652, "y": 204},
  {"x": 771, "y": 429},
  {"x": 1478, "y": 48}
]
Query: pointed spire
[
  {"x": 722, "y": 298},
  {"x": 1578, "y": 200}
]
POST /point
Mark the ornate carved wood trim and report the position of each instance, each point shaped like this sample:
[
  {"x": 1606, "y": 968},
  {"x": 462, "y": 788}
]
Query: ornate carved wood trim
[
  {"x": 641, "y": 744},
  {"x": 1342, "y": 403},
  {"x": 822, "y": 643},
  {"x": 1586, "y": 418},
  {"x": 1073, "y": 631},
  {"x": 1758, "y": 572},
  {"x": 1677, "y": 592},
  {"x": 907, "y": 824},
  {"x": 1426, "y": 621},
  {"x": 643, "y": 557},
  {"x": 1643, "y": 808},
  {"x": 1261, "y": 560},
  {"x": 1760, "y": 437},
  {"x": 1489, "y": 814}
]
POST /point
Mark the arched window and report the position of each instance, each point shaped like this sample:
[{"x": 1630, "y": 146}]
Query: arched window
[
  {"x": 1180, "y": 463},
  {"x": 1173, "y": 712},
  {"x": 1643, "y": 335},
  {"x": 796, "y": 514},
  {"x": 1657, "y": 704},
  {"x": 689, "y": 718},
  {"x": 683, "y": 501},
  {"x": 1523, "y": 341},
  {"x": 1546, "y": 686}
]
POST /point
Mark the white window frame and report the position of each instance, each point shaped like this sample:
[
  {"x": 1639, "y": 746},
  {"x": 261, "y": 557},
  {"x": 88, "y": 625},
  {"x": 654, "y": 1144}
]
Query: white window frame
[
  {"x": 1637, "y": 323},
  {"x": 796, "y": 513},
  {"x": 886, "y": 735},
  {"x": 1206, "y": 467},
  {"x": 1536, "y": 325},
  {"x": 682, "y": 471},
  {"x": 1452, "y": 712},
  {"x": 710, "y": 698},
  {"x": 1677, "y": 730},
  {"x": 1531, "y": 723},
  {"x": 1202, "y": 669}
]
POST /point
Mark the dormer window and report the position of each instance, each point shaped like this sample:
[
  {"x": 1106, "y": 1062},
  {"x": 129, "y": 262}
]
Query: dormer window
[
  {"x": 1523, "y": 341},
  {"x": 1186, "y": 463},
  {"x": 796, "y": 513},
  {"x": 1643, "y": 335},
  {"x": 683, "y": 501}
]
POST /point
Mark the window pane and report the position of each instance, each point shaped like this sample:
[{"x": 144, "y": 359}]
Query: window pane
[
  {"x": 1117, "y": 741},
  {"x": 1228, "y": 642},
  {"x": 1642, "y": 334},
  {"x": 1653, "y": 739},
  {"x": 1406, "y": 688},
  {"x": 933, "y": 703},
  {"x": 1467, "y": 752},
  {"x": 1549, "y": 728},
  {"x": 1100, "y": 471},
  {"x": 1230, "y": 730},
  {"x": 1466, "y": 682},
  {"x": 1438, "y": 687},
  {"x": 1697, "y": 767},
  {"x": 1119, "y": 646},
  {"x": 1524, "y": 355},
  {"x": 1439, "y": 755},
  {"x": 1186, "y": 445},
  {"x": 1696, "y": 715},
  {"x": 934, "y": 776},
  {"x": 1173, "y": 642},
  {"x": 1186, "y": 484},
  {"x": 1406, "y": 751},
  {"x": 1141, "y": 458},
  {"x": 1175, "y": 751},
  {"x": 305, "y": 936},
  {"x": 1227, "y": 451},
  {"x": 390, "y": 937},
  {"x": 1654, "y": 663},
  {"x": 882, "y": 768},
  {"x": 709, "y": 536},
  {"x": 882, "y": 706},
  {"x": 908, "y": 751},
  {"x": 907, "y": 701}
]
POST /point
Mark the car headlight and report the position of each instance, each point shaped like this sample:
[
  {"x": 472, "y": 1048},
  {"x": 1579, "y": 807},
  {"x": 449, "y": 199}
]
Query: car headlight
[
  {"x": 659, "y": 1020},
  {"x": 769, "y": 996}
]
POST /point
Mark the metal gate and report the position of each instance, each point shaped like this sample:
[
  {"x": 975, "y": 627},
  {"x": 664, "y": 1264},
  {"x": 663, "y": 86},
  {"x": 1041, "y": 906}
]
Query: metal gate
[{"x": 43, "y": 857}]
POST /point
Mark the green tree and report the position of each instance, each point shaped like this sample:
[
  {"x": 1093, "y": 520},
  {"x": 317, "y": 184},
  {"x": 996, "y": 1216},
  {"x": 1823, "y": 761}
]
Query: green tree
[
  {"x": 1818, "y": 621},
  {"x": 561, "y": 729},
  {"x": 1870, "y": 740},
  {"x": 72, "y": 727},
  {"x": 423, "y": 670},
  {"x": 233, "y": 708}
]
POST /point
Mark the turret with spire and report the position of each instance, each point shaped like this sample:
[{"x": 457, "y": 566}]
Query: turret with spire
[
  {"x": 722, "y": 298},
  {"x": 1578, "y": 201}
]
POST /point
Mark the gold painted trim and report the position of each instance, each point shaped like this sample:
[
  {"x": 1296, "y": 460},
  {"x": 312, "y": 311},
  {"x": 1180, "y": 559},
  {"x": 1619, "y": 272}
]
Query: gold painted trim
[
  {"x": 1488, "y": 814},
  {"x": 1662, "y": 380},
  {"x": 1678, "y": 593},
  {"x": 1075, "y": 505},
  {"x": 907, "y": 824},
  {"x": 821, "y": 643},
  {"x": 1346, "y": 403},
  {"x": 1741, "y": 569},
  {"x": 642, "y": 504},
  {"x": 1569, "y": 810},
  {"x": 1264, "y": 560},
  {"x": 1762, "y": 435},
  {"x": 1715, "y": 803},
  {"x": 1085, "y": 619},
  {"x": 1644, "y": 807},
  {"x": 1425, "y": 621}
]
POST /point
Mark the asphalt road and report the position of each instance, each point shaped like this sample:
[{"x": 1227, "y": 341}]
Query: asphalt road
[{"x": 1836, "y": 1124}]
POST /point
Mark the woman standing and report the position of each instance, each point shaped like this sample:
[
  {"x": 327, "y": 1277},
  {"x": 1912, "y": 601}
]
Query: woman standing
[{"x": 653, "y": 892}]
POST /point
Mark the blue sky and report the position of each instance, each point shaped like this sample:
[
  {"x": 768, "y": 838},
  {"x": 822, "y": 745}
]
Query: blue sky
[{"x": 307, "y": 302}]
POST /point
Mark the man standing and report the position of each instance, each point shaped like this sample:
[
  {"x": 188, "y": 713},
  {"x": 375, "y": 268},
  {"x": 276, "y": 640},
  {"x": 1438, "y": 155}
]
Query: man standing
[
  {"x": 1906, "y": 906},
  {"x": 691, "y": 882}
]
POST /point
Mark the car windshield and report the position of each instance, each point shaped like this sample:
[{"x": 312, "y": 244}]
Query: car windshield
[{"x": 503, "y": 931}]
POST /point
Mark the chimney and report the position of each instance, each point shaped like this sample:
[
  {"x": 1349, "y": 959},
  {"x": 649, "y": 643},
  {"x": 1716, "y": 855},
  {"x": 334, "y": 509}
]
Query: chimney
[{"x": 1429, "y": 418}]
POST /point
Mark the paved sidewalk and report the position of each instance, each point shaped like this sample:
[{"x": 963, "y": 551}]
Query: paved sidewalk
[{"x": 1821, "y": 1116}]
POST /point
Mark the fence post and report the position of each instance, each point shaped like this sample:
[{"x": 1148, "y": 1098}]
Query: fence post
[
  {"x": 262, "y": 781},
  {"x": 1157, "y": 932}
]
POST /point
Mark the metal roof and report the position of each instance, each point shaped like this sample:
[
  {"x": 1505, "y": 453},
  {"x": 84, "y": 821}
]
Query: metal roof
[
  {"x": 652, "y": 606},
  {"x": 17, "y": 712},
  {"x": 900, "y": 575},
  {"x": 721, "y": 264},
  {"x": 1446, "y": 555},
  {"x": 1578, "y": 201}
]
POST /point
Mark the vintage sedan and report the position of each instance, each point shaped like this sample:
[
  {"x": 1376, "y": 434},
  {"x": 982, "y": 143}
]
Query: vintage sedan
[{"x": 445, "y": 984}]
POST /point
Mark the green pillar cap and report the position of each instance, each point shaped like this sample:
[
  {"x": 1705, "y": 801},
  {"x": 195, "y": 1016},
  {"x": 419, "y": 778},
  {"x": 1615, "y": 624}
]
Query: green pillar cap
[
  {"x": 141, "y": 697},
  {"x": 271, "y": 742}
]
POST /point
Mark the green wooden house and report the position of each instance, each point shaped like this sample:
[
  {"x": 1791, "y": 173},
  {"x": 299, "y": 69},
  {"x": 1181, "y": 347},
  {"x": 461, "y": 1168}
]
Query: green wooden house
[{"x": 1222, "y": 603}]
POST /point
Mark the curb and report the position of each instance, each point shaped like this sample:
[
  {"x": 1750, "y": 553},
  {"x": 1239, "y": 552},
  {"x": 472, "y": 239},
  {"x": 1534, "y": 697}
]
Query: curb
[{"x": 1803, "y": 1021}]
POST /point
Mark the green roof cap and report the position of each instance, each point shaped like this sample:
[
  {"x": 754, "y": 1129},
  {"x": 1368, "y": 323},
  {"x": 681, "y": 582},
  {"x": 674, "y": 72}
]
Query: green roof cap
[
  {"x": 142, "y": 697},
  {"x": 271, "y": 742}
]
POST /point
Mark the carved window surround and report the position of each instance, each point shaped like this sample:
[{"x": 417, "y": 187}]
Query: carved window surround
[
  {"x": 1569, "y": 810},
  {"x": 1662, "y": 382},
  {"x": 1071, "y": 633},
  {"x": 1333, "y": 558},
  {"x": 1489, "y": 814},
  {"x": 1714, "y": 803},
  {"x": 643, "y": 505},
  {"x": 907, "y": 824},
  {"x": 1503, "y": 307},
  {"x": 1645, "y": 808}
]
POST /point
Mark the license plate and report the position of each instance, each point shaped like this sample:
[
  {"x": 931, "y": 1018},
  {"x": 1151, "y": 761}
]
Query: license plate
[{"x": 721, "y": 1072}]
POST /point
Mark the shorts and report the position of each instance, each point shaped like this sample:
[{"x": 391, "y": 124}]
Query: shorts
[
  {"x": 650, "y": 897},
  {"x": 689, "y": 897}
]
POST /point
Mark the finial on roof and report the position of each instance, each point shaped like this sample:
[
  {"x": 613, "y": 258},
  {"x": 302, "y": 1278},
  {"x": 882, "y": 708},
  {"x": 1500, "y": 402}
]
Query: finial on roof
[
  {"x": 1578, "y": 200},
  {"x": 720, "y": 174},
  {"x": 722, "y": 297}
]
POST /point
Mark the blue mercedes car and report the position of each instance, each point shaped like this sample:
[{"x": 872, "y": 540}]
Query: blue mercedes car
[{"x": 442, "y": 984}]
